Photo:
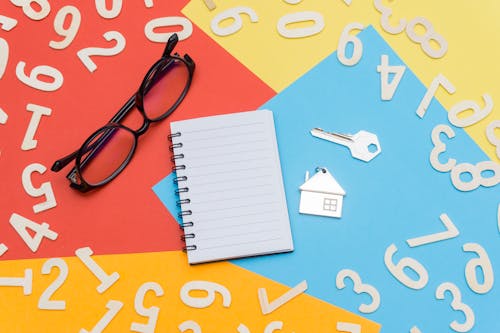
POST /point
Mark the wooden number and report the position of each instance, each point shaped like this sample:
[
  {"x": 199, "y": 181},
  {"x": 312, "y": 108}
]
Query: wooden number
[
  {"x": 345, "y": 39},
  {"x": 21, "y": 224},
  {"x": 7, "y": 23},
  {"x": 289, "y": 19},
  {"x": 210, "y": 4},
  {"x": 477, "y": 115},
  {"x": 486, "y": 173},
  {"x": 492, "y": 138},
  {"x": 45, "y": 190},
  {"x": 415, "y": 329},
  {"x": 348, "y": 327},
  {"x": 88, "y": 52},
  {"x": 149, "y": 3},
  {"x": 273, "y": 326},
  {"x": 43, "y": 7},
  {"x": 398, "y": 270},
  {"x": 439, "y": 80},
  {"x": 190, "y": 325},
  {"x": 26, "y": 282},
  {"x": 113, "y": 308},
  {"x": 38, "y": 111},
  {"x": 384, "y": 19},
  {"x": 440, "y": 147},
  {"x": 84, "y": 254},
  {"x": 359, "y": 288},
  {"x": 211, "y": 288},
  {"x": 425, "y": 39},
  {"x": 389, "y": 88},
  {"x": 43, "y": 70},
  {"x": 70, "y": 32},
  {"x": 233, "y": 14},
  {"x": 106, "y": 13},
  {"x": 270, "y": 328},
  {"x": 3, "y": 116},
  {"x": 451, "y": 232},
  {"x": 4, "y": 56},
  {"x": 267, "y": 307},
  {"x": 171, "y": 21},
  {"x": 151, "y": 312},
  {"x": 3, "y": 249},
  {"x": 498, "y": 217},
  {"x": 482, "y": 262},
  {"x": 45, "y": 303},
  {"x": 457, "y": 305}
]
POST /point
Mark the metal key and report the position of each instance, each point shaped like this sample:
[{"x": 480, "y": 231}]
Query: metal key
[{"x": 363, "y": 145}]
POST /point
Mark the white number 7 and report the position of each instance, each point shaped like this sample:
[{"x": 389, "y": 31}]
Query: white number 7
[
  {"x": 426, "y": 101},
  {"x": 451, "y": 231}
]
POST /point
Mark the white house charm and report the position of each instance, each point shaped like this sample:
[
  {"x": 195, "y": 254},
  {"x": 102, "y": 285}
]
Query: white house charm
[{"x": 321, "y": 195}]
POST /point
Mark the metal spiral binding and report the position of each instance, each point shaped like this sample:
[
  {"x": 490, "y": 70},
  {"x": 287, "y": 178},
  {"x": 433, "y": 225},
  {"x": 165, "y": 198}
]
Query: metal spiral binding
[{"x": 182, "y": 213}]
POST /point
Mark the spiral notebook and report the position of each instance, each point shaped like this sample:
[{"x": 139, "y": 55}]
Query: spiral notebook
[{"x": 231, "y": 195}]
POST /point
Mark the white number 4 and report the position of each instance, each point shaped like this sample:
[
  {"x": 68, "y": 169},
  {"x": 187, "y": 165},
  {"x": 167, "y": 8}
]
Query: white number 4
[{"x": 389, "y": 88}]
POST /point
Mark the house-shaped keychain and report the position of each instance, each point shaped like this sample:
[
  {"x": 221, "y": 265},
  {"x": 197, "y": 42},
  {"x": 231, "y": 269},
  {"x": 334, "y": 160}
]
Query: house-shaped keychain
[{"x": 321, "y": 195}]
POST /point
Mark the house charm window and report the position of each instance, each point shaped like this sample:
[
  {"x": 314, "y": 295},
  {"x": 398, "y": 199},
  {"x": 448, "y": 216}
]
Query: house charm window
[{"x": 330, "y": 204}]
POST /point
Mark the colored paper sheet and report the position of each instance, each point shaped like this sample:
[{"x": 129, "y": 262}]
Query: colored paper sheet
[
  {"x": 470, "y": 62},
  {"x": 168, "y": 272},
  {"x": 393, "y": 198},
  {"x": 124, "y": 216}
]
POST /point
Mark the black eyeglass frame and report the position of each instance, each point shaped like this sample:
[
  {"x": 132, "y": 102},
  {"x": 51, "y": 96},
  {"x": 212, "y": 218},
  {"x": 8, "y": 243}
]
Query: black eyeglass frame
[{"x": 85, "y": 153}]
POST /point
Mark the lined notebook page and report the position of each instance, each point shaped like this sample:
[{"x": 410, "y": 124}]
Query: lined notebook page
[{"x": 236, "y": 191}]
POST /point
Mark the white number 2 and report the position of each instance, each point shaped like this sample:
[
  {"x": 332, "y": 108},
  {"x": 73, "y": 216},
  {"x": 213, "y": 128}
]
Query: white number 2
[
  {"x": 45, "y": 302},
  {"x": 88, "y": 52}
]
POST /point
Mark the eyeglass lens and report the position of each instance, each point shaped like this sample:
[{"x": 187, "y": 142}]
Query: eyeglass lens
[
  {"x": 164, "y": 87},
  {"x": 116, "y": 145}
]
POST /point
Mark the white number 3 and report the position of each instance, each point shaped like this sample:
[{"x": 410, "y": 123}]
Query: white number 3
[{"x": 359, "y": 288}]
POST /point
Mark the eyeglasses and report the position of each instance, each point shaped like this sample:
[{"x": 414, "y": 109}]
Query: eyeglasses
[{"x": 109, "y": 149}]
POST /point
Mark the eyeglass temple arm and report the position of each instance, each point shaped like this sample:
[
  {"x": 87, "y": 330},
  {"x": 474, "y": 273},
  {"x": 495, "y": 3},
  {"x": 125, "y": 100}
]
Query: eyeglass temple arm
[{"x": 171, "y": 43}]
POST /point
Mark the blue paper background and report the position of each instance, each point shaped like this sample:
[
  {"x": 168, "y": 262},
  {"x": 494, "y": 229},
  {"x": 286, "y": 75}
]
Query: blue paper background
[{"x": 394, "y": 197}]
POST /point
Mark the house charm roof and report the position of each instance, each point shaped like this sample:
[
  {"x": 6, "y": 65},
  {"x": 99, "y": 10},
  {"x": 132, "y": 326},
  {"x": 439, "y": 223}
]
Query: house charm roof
[{"x": 323, "y": 182}]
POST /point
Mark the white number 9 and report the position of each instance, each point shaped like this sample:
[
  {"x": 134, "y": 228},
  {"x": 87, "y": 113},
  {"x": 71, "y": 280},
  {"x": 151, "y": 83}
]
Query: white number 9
[
  {"x": 33, "y": 81},
  {"x": 210, "y": 288},
  {"x": 235, "y": 15},
  {"x": 70, "y": 32},
  {"x": 346, "y": 38},
  {"x": 484, "y": 263},
  {"x": 398, "y": 270}
]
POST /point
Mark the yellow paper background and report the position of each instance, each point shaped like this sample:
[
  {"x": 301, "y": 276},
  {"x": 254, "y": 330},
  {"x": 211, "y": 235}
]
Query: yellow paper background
[
  {"x": 85, "y": 306},
  {"x": 471, "y": 29}
]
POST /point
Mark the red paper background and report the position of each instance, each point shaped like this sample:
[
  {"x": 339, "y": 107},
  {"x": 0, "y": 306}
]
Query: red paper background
[{"x": 125, "y": 216}]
